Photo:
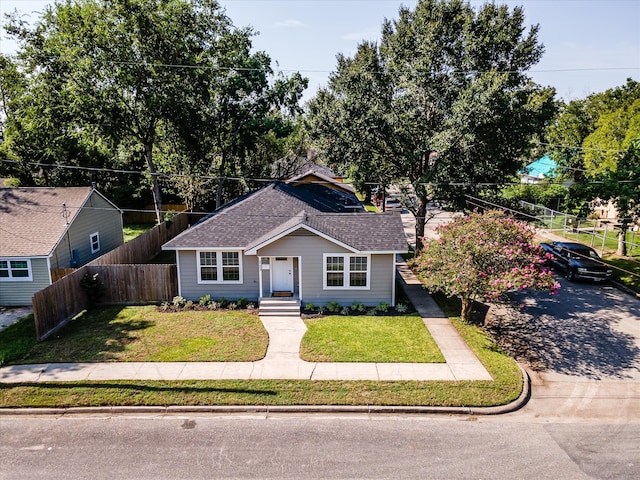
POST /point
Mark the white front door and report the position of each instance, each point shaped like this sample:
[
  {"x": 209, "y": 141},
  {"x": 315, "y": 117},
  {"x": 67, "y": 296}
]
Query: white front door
[{"x": 282, "y": 274}]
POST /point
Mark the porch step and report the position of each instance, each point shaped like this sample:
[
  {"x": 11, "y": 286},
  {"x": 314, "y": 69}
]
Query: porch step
[{"x": 279, "y": 307}]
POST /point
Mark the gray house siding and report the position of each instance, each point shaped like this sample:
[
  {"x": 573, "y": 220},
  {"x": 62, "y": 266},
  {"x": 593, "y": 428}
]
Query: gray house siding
[
  {"x": 311, "y": 248},
  {"x": 17, "y": 294},
  {"x": 97, "y": 215},
  {"x": 192, "y": 290}
]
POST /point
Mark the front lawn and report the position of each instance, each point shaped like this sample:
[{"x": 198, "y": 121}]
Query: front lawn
[
  {"x": 369, "y": 339},
  {"x": 505, "y": 387},
  {"x": 142, "y": 334}
]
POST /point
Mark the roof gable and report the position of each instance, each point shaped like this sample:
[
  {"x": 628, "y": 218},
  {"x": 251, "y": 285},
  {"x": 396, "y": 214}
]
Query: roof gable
[
  {"x": 316, "y": 177},
  {"x": 34, "y": 219}
]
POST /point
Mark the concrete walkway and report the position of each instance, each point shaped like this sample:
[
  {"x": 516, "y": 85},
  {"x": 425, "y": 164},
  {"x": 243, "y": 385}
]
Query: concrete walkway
[{"x": 282, "y": 360}]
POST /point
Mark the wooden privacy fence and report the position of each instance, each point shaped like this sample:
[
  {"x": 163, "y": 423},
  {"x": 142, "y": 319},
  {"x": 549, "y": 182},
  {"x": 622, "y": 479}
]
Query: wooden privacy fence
[
  {"x": 122, "y": 284},
  {"x": 58, "y": 303},
  {"x": 58, "y": 273},
  {"x": 146, "y": 246},
  {"x": 127, "y": 279},
  {"x": 136, "y": 284}
]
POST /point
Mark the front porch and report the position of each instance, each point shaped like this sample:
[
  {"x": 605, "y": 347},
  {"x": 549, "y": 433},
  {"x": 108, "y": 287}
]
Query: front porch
[{"x": 279, "y": 277}]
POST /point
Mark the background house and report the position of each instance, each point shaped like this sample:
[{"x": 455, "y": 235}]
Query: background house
[
  {"x": 310, "y": 241},
  {"x": 44, "y": 229},
  {"x": 543, "y": 168}
]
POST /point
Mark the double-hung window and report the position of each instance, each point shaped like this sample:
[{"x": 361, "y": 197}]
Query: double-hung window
[
  {"x": 346, "y": 271},
  {"x": 15, "y": 270},
  {"x": 94, "y": 240},
  {"x": 219, "y": 267}
]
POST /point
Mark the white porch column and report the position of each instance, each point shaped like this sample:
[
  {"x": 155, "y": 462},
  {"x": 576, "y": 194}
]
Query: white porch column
[{"x": 260, "y": 277}]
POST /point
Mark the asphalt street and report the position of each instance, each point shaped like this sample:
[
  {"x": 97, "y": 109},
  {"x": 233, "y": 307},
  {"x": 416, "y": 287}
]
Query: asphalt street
[{"x": 319, "y": 446}]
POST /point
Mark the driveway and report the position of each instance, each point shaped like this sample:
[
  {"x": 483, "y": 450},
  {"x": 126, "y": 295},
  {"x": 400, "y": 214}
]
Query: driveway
[
  {"x": 10, "y": 315},
  {"x": 580, "y": 347}
]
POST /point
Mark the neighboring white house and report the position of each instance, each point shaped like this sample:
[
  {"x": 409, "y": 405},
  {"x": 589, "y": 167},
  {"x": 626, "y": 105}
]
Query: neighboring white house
[
  {"x": 44, "y": 228},
  {"x": 309, "y": 238}
]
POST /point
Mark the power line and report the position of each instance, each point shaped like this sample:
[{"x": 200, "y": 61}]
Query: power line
[
  {"x": 269, "y": 180},
  {"x": 308, "y": 70}
]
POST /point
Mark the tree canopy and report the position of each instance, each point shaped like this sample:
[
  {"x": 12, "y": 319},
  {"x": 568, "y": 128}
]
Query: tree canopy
[
  {"x": 589, "y": 135},
  {"x": 596, "y": 143},
  {"x": 160, "y": 86},
  {"x": 442, "y": 103}
]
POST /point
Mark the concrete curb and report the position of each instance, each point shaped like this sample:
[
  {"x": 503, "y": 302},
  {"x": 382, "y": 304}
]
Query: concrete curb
[{"x": 520, "y": 402}]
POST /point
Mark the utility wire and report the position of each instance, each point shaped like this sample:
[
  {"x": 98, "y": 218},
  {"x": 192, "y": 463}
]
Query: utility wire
[{"x": 269, "y": 180}]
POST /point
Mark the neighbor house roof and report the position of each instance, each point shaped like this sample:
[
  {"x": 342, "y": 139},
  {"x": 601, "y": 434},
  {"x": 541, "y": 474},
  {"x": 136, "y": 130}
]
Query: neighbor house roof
[
  {"x": 279, "y": 208},
  {"x": 312, "y": 177},
  {"x": 34, "y": 219},
  {"x": 541, "y": 168}
]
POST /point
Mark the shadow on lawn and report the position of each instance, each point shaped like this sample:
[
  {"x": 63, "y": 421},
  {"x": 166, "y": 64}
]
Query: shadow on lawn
[
  {"x": 94, "y": 336},
  {"x": 142, "y": 388}
]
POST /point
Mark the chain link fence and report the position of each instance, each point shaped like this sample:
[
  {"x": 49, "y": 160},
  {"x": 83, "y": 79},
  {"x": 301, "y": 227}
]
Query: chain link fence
[{"x": 601, "y": 234}]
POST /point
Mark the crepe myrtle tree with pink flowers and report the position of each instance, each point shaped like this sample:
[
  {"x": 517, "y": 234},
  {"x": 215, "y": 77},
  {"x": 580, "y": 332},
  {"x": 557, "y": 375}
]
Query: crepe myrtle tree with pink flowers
[{"x": 482, "y": 257}]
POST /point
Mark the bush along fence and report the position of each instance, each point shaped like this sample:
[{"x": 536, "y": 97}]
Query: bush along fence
[{"x": 118, "y": 277}]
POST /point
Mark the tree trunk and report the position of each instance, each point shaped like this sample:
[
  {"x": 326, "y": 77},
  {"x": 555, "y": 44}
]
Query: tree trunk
[
  {"x": 157, "y": 195},
  {"x": 221, "y": 170},
  {"x": 622, "y": 236},
  {"x": 420, "y": 215},
  {"x": 219, "y": 193},
  {"x": 467, "y": 307}
]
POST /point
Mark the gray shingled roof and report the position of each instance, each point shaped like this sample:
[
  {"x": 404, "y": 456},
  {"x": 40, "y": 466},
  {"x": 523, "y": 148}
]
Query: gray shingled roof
[
  {"x": 32, "y": 219},
  {"x": 276, "y": 208}
]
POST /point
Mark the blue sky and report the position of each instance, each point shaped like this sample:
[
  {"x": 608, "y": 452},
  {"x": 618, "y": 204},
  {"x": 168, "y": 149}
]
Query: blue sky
[{"x": 591, "y": 45}]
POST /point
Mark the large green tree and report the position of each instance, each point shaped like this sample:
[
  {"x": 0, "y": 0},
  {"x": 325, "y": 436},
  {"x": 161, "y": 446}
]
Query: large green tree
[
  {"x": 595, "y": 141},
  {"x": 620, "y": 187},
  {"x": 589, "y": 135},
  {"x": 133, "y": 83},
  {"x": 443, "y": 102}
]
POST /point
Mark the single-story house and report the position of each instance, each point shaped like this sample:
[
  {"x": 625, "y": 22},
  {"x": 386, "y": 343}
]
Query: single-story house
[
  {"x": 44, "y": 228},
  {"x": 312, "y": 241}
]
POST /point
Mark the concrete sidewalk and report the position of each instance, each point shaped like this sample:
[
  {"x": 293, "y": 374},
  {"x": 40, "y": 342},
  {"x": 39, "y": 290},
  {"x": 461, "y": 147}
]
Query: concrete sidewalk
[{"x": 282, "y": 360}]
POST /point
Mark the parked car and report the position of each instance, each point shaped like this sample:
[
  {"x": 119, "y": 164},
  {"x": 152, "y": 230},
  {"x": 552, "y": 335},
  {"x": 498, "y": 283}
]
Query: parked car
[
  {"x": 392, "y": 205},
  {"x": 577, "y": 261}
]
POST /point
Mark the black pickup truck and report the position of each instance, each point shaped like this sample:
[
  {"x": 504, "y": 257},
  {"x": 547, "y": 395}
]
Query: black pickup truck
[{"x": 577, "y": 261}]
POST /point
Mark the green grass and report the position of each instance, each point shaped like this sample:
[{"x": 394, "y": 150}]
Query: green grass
[
  {"x": 17, "y": 339},
  {"x": 141, "y": 334},
  {"x": 369, "y": 339},
  {"x": 135, "y": 230},
  {"x": 627, "y": 271},
  {"x": 505, "y": 387}
]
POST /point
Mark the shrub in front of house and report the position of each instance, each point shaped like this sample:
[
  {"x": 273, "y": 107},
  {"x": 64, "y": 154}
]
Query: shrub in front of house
[
  {"x": 205, "y": 302},
  {"x": 333, "y": 307}
]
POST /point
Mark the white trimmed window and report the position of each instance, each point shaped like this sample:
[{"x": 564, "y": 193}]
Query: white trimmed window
[
  {"x": 219, "y": 267},
  {"x": 17, "y": 270},
  {"x": 346, "y": 271},
  {"x": 94, "y": 240}
]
